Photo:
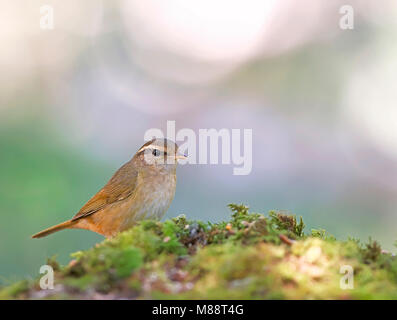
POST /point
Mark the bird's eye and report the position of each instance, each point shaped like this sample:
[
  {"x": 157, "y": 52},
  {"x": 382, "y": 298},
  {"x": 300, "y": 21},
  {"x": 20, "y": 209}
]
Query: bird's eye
[{"x": 156, "y": 152}]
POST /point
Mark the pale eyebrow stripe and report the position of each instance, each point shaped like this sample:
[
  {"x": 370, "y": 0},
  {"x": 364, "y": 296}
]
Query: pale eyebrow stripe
[{"x": 160, "y": 148}]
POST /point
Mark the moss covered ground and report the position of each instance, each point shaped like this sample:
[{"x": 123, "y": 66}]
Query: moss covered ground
[{"x": 252, "y": 256}]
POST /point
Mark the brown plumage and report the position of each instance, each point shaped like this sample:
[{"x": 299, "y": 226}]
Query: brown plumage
[{"x": 142, "y": 188}]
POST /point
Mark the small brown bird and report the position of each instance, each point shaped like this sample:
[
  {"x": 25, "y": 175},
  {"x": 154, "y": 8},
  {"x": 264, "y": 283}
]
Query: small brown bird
[{"x": 143, "y": 188}]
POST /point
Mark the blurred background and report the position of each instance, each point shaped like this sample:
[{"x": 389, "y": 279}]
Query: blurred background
[{"x": 75, "y": 102}]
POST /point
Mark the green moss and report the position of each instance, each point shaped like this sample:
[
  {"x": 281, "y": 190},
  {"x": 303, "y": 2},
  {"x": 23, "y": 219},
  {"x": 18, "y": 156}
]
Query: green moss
[
  {"x": 371, "y": 252},
  {"x": 16, "y": 290},
  {"x": 287, "y": 223},
  {"x": 251, "y": 256},
  {"x": 322, "y": 234}
]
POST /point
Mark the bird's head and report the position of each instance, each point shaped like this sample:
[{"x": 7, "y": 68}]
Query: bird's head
[{"x": 159, "y": 153}]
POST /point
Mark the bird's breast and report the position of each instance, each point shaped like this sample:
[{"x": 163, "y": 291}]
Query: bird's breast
[{"x": 151, "y": 199}]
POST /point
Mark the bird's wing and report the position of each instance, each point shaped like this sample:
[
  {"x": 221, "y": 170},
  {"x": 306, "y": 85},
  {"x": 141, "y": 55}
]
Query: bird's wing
[{"x": 119, "y": 187}]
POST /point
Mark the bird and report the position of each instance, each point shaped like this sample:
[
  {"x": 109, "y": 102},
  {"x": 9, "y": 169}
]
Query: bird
[{"x": 143, "y": 188}]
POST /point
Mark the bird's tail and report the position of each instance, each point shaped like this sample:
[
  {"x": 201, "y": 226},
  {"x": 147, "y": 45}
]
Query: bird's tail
[{"x": 58, "y": 227}]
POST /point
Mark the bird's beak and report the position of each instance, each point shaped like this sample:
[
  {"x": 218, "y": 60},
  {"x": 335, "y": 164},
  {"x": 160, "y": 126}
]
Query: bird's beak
[{"x": 180, "y": 156}]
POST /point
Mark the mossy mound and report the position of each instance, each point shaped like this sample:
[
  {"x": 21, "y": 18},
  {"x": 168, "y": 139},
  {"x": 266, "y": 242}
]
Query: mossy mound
[{"x": 249, "y": 257}]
